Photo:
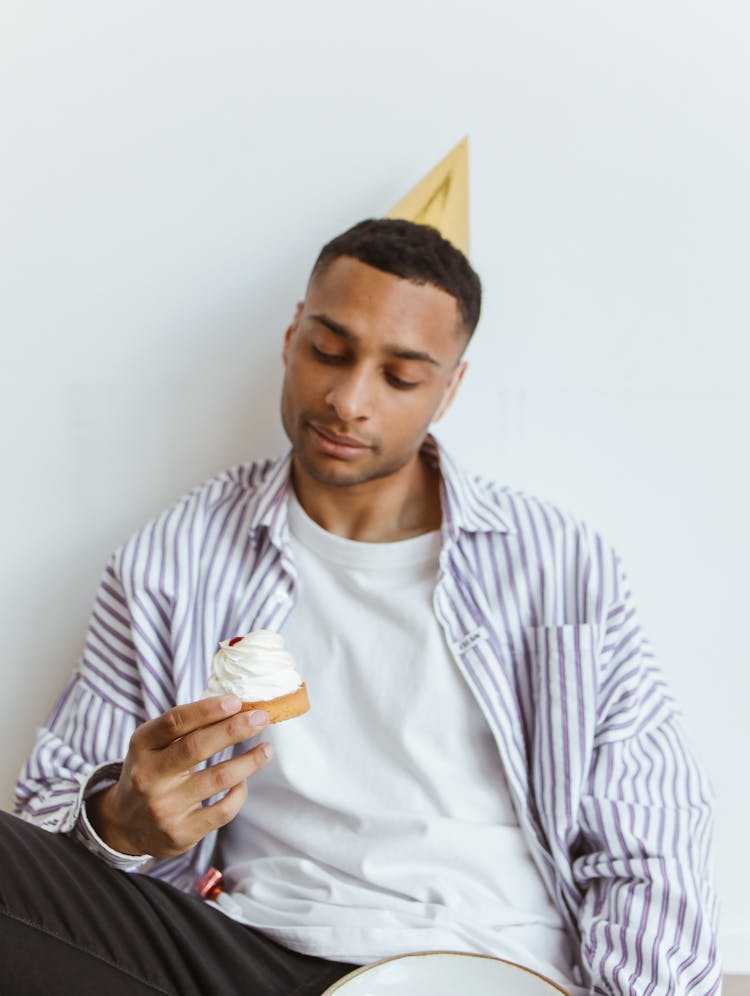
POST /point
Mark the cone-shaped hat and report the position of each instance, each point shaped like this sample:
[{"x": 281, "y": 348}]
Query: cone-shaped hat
[{"x": 441, "y": 198}]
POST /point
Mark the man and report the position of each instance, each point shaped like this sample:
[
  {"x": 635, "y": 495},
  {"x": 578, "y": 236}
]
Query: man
[{"x": 491, "y": 763}]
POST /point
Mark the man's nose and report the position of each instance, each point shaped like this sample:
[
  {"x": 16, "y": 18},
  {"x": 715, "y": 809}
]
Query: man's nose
[{"x": 351, "y": 395}]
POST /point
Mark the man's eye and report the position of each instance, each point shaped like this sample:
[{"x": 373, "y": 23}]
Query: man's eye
[
  {"x": 327, "y": 357},
  {"x": 402, "y": 385}
]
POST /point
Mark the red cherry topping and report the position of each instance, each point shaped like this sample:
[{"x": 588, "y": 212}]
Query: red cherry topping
[{"x": 235, "y": 639}]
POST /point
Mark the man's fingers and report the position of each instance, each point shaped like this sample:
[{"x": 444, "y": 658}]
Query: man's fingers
[
  {"x": 219, "y": 813},
  {"x": 180, "y": 820},
  {"x": 224, "y": 776},
  {"x": 224, "y": 811},
  {"x": 189, "y": 751},
  {"x": 179, "y": 833},
  {"x": 204, "y": 819},
  {"x": 183, "y": 719}
]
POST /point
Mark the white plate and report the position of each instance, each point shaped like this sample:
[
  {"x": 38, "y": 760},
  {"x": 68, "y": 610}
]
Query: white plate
[{"x": 443, "y": 973}]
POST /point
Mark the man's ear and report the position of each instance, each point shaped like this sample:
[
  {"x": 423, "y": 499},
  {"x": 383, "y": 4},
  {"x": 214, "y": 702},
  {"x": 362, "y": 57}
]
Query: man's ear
[
  {"x": 450, "y": 391},
  {"x": 290, "y": 331}
]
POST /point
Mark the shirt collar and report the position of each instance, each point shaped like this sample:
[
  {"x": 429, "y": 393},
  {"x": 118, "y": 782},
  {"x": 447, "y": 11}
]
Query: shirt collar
[
  {"x": 468, "y": 503},
  {"x": 270, "y": 510}
]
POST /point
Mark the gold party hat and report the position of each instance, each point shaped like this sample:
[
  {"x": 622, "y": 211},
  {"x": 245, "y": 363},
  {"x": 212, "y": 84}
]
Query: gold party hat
[{"x": 441, "y": 198}]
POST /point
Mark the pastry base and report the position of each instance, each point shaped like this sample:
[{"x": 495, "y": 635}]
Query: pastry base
[{"x": 284, "y": 706}]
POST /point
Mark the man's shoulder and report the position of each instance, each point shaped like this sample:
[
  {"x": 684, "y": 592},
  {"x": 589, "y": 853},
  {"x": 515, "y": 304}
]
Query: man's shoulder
[
  {"x": 525, "y": 513},
  {"x": 241, "y": 480},
  {"x": 233, "y": 494},
  {"x": 483, "y": 505},
  {"x": 560, "y": 556}
]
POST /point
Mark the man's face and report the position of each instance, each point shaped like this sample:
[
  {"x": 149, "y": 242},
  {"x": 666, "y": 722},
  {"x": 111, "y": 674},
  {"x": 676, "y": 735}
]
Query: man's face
[{"x": 371, "y": 361}]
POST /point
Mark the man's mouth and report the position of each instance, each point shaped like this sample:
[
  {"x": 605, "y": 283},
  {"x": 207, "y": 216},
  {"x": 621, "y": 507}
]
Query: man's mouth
[{"x": 335, "y": 444}]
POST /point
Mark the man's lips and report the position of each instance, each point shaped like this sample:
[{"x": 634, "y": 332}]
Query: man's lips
[
  {"x": 332, "y": 442},
  {"x": 335, "y": 437}
]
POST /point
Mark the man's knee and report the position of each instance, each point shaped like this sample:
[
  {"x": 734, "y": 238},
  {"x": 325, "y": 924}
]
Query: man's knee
[
  {"x": 36, "y": 862},
  {"x": 16, "y": 834},
  {"x": 19, "y": 835}
]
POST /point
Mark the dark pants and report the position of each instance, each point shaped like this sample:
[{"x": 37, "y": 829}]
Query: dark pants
[{"x": 70, "y": 924}]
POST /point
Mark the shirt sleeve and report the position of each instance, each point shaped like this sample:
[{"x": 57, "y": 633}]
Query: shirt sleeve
[
  {"x": 86, "y": 733},
  {"x": 648, "y": 916},
  {"x": 122, "y": 679},
  {"x": 85, "y": 834}
]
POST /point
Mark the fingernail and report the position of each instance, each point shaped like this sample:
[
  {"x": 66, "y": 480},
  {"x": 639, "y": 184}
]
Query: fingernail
[
  {"x": 258, "y": 718},
  {"x": 231, "y": 703},
  {"x": 267, "y": 750}
]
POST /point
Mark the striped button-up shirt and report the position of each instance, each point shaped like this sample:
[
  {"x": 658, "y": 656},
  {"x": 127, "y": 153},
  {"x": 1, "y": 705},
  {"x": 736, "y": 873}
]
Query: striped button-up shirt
[{"x": 539, "y": 617}]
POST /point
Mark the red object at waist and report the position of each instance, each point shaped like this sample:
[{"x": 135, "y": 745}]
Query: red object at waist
[{"x": 210, "y": 885}]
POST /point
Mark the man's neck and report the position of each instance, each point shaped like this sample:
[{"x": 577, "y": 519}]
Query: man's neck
[{"x": 384, "y": 510}]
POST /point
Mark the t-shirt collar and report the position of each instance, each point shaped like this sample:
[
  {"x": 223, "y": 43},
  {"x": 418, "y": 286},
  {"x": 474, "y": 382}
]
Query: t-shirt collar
[{"x": 469, "y": 504}]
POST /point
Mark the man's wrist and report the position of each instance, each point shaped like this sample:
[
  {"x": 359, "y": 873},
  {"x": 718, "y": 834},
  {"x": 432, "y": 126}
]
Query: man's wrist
[
  {"x": 98, "y": 809},
  {"x": 85, "y": 833},
  {"x": 91, "y": 827}
]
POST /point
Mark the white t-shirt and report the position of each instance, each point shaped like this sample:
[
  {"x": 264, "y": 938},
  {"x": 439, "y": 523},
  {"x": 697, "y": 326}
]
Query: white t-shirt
[{"x": 383, "y": 824}]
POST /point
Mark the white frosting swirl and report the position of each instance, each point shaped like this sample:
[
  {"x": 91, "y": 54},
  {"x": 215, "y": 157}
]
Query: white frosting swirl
[{"x": 256, "y": 668}]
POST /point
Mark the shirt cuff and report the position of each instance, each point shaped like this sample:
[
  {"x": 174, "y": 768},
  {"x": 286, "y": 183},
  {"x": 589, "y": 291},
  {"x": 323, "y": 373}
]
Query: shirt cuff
[{"x": 83, "y": 832}]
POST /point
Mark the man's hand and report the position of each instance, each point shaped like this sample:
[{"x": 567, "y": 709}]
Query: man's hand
[{"x": 155, "y": 806}]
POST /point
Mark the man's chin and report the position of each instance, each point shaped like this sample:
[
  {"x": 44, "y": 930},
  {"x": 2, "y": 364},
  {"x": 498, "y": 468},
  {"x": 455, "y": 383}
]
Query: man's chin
[{"x": 335, "y": 473}]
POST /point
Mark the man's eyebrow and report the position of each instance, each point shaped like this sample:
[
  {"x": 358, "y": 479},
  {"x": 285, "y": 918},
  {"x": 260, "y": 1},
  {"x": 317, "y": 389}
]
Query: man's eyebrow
[
  {"x": 346, "y": 333},
  {"x": 336, "y": 327}
]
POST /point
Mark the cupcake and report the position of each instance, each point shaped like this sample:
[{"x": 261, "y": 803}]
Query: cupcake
[{"x": 260, "y": 671}]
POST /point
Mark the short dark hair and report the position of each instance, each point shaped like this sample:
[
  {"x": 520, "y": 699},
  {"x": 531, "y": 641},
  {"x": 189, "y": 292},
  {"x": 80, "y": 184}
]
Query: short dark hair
[{"x": 418, "y": 253}]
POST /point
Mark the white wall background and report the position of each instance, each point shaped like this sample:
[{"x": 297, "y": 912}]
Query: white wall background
[{"x": 169, "y": 171}]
